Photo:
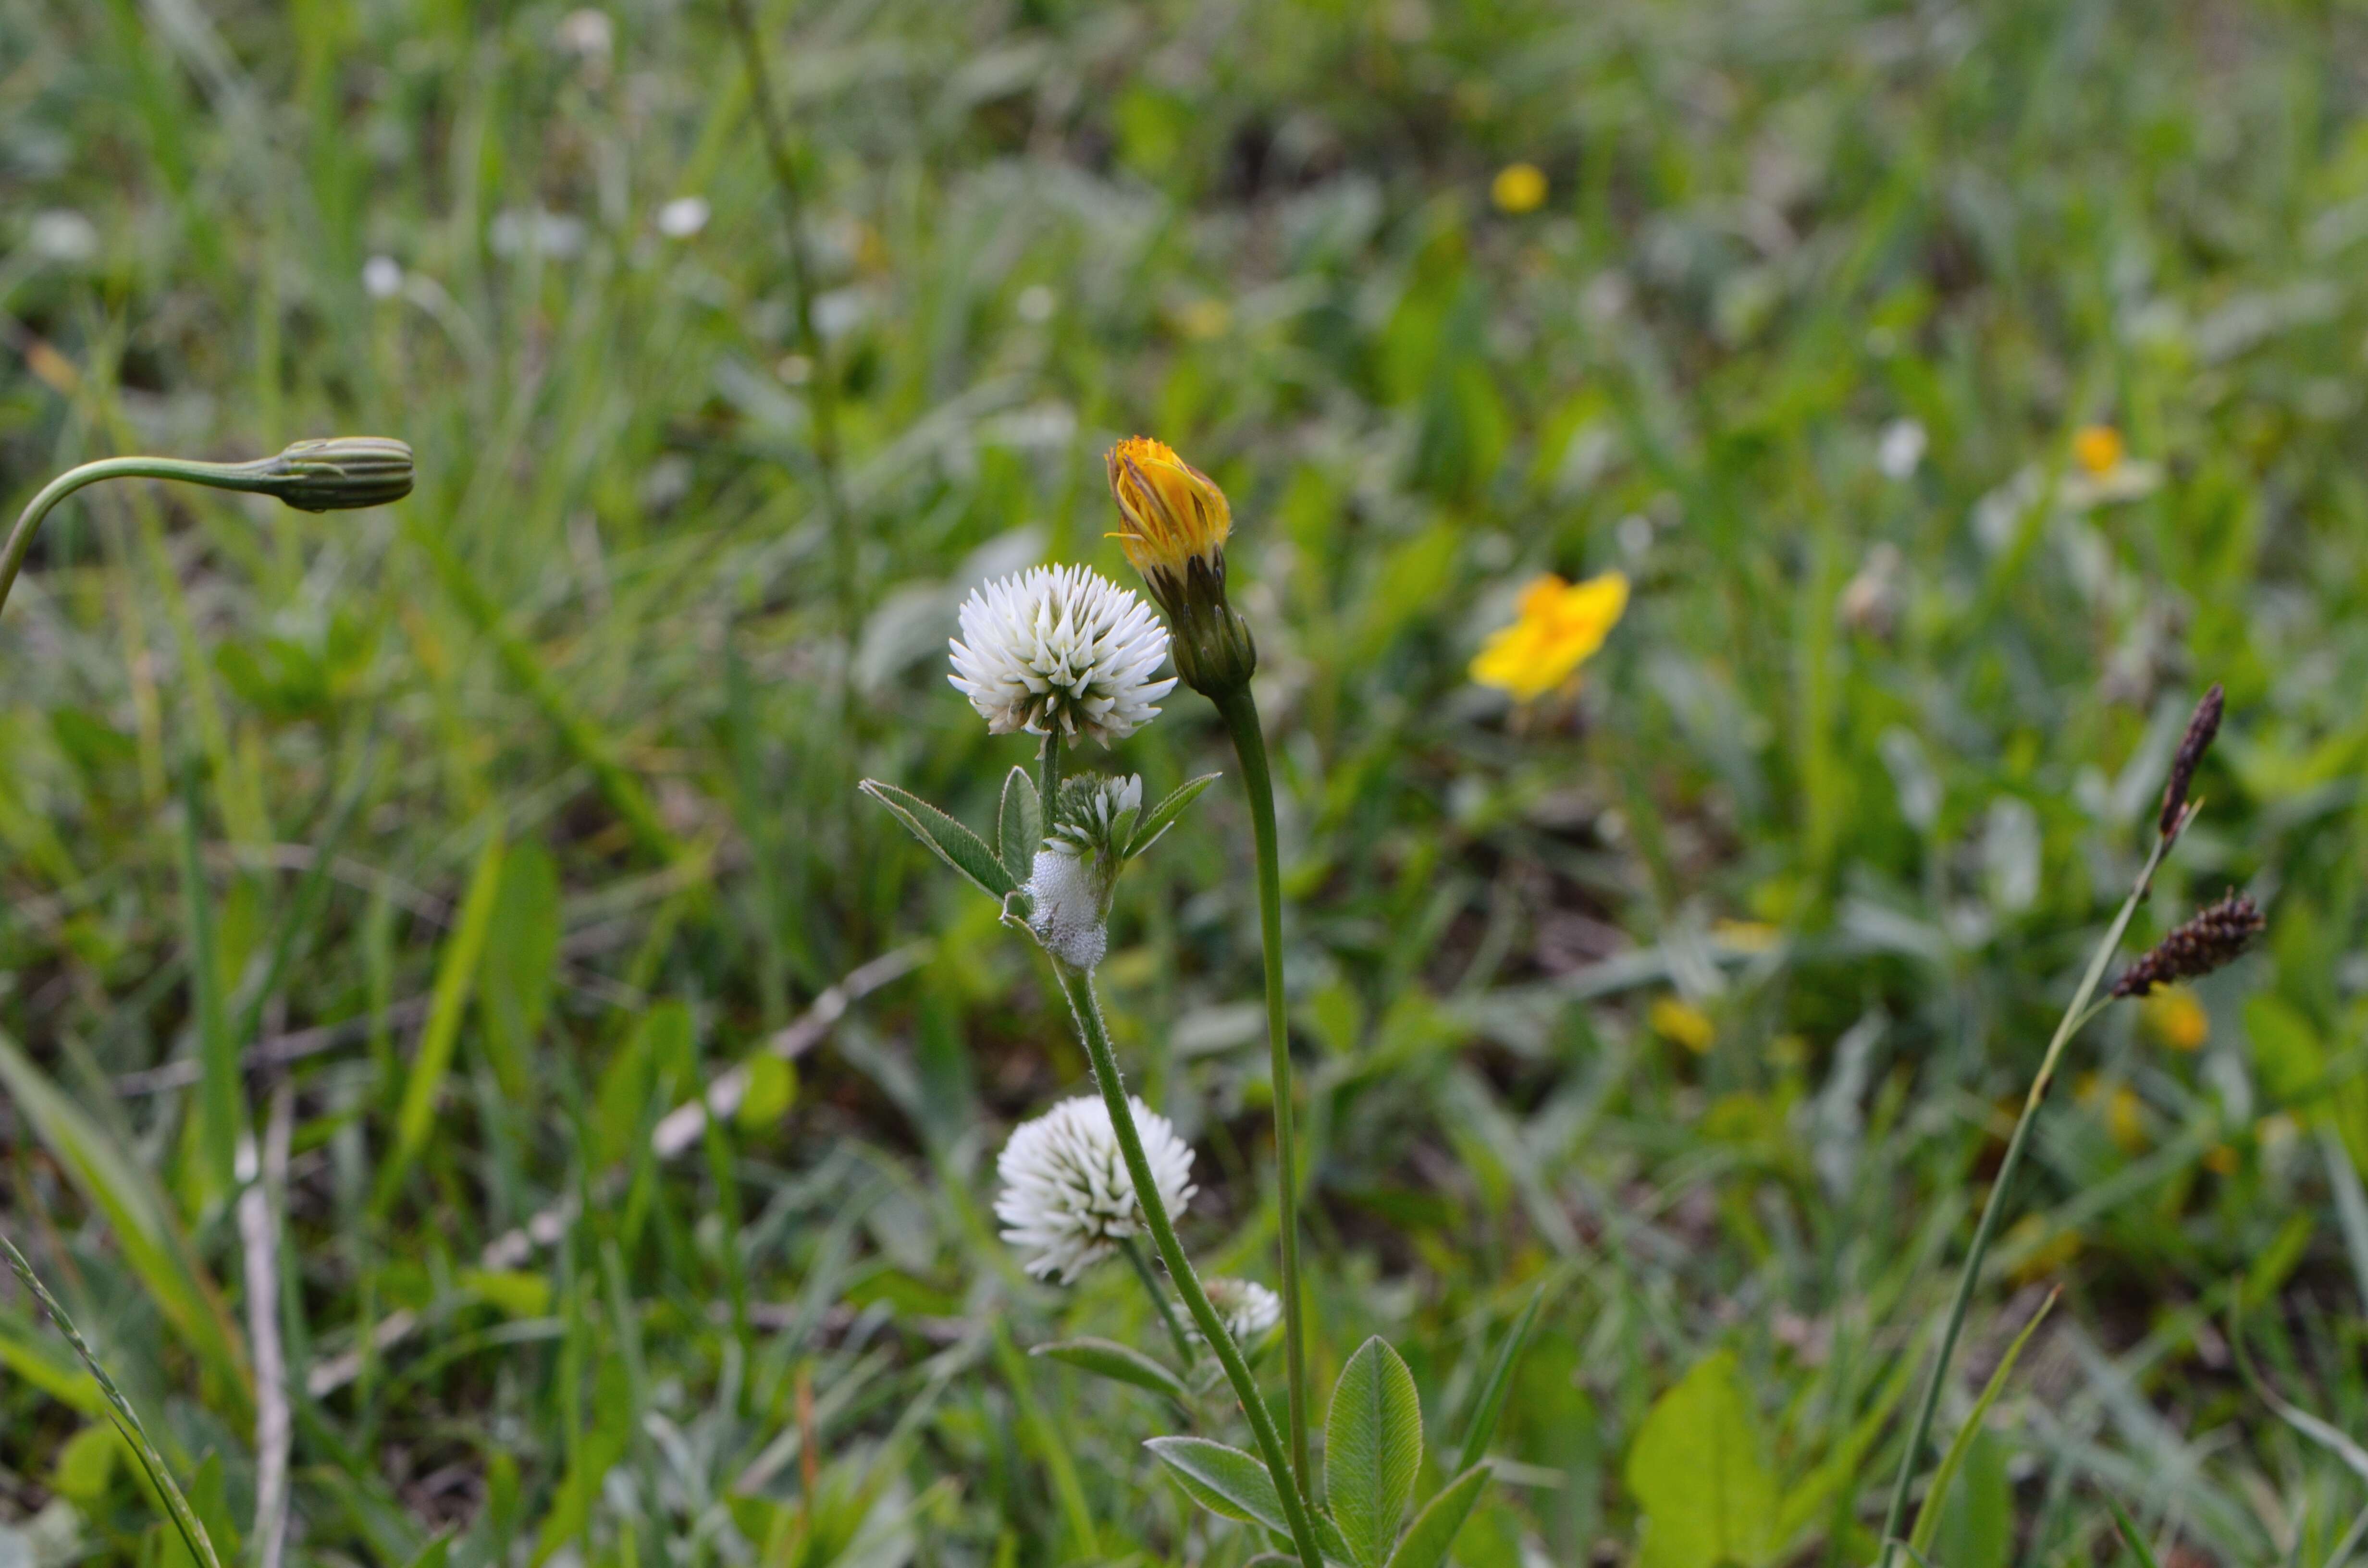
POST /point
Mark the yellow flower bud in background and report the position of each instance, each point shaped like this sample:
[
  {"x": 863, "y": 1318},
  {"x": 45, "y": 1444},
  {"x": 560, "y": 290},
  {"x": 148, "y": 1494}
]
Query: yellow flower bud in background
[
  {"x": 2099, "y": 449},
  {"x": 2174, "y": 1016},
  {"x": 1559, "y": 626},
  {"x": 1518, "y": 188},
  {"x": 1682, "y": 1023}
]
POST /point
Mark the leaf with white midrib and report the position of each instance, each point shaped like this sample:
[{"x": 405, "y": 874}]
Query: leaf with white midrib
[{"x": 1373, "y": 1446}]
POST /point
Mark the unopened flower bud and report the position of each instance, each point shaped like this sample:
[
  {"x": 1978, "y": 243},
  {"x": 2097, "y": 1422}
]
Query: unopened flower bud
[
  {"x": 1177, "y": 523},
  {"x": 338, "y": 474}
]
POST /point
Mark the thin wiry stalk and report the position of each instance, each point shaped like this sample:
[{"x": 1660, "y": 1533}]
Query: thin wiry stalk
[
  {"x": 1159, "y": 1302},
  {"x": 1240, "y": 713},
  {"x": 127, "y": 1420},
  {"x": 821, "y": 393},
  {"x": 2074, "y": 1014},
  {"x": 1078, "y": 986}
]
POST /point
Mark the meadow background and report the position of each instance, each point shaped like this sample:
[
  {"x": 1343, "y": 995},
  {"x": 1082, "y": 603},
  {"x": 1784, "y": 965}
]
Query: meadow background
[{"x": 490, "y": 824}]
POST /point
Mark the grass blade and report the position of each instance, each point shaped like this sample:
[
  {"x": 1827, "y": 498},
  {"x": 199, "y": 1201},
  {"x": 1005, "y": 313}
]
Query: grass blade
[
  {"x": 127, "y": 1420},
  {"x": 1491, "y": 1406},
  {"x": 456, "y": 973},
  {"x": 1928, "y": 1518}
]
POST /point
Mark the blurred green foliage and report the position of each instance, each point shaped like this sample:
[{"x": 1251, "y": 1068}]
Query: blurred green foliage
[{"x": 1799, "y": 339}]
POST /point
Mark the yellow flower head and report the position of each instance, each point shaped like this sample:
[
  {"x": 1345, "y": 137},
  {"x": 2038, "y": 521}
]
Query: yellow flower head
[
  {"x": 1680, "y": 1021},
  {"x": 1559, "y": 626},
  {"x": 2099, "y": 449},
  {"x": 2174, "y": 1016},
  {"x": 1517, "y": 189},
  {"x": 1177, "y": 521},
  {"x": 1174, "y": 514}
]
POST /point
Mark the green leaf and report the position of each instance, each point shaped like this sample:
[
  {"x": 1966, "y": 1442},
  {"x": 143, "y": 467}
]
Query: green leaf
[
  {"x": 1020, "y": 825},
  {"x": 520, "y": 961},
  {"x": 2131, "y": 1534},
  {"x": 1433, "y": 1530},
  {"x": 1491, "y": 1404},
  {"x": 456, "y": 971},
  {"x": 1162, "y": 817},
  {"x": 1109, "y": 1359},
  {"x": 955, "y": 845},
  {"x": 1373, "y": 1446},
  {"x": 1699, "y": 1476},
  {"x": 772, "y": 1089},
  {"x": 1236, "y": 1486},
  {"x": 1927, "y": 1518}
]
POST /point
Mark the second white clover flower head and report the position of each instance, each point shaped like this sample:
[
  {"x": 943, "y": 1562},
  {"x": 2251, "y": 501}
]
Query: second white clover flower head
[
  {"x": 1067, "y": 1200},
  {"x": 1248, "y": 1308},
  {"x": 1089, "y": 814},
  {"x": 1060, "y": 649}
]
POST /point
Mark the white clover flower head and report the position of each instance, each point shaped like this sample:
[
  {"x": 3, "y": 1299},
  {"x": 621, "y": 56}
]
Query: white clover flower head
[
  {"x": 1067, "y": 1200},
  {"x": 1069, "y": 903},
  {"x": 1248, "y": 1308},
  {"x": 1060, "y": 649}
]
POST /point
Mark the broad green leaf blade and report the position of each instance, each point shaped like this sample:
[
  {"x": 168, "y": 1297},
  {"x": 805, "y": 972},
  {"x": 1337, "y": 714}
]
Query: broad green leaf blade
[
  {"x": 1107, "y": 1359},
  {"x": 456, "y": 973},
  {"x": 1161, "y": 817},
  {"x": 1491, "y": 1403},
  {"x": 1227, "y": 1482},
  {"x": 1927, "y": 1518},
  {"x": 1433, "y": 1530},
  {"x": 1020, "y": 825},
  {"x": 151, "y": 1242},
  {"x": 1699, "y": 1474},
  {"x": 955, "y": 845},
  {"x": 1372, "y": 1445}
]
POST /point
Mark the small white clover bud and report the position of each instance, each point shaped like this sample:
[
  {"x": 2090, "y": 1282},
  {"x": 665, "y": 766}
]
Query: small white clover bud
[
  {"x": 1067, "y": 1199},
  {"x": 1060, "y": 650},
  {"x": 1248, "y": 1308}
]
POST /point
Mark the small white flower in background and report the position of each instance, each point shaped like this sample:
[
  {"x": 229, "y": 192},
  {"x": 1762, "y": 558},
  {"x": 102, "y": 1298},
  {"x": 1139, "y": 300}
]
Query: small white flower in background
[
  {"x": 683, "y": 217},
  {"x": 1066, "y": 1199},
  {"x": 63, "y": 236},
  {"x": 1248, "y": 1308},
  {"x": 1060, "y": 649},
  {"x": 1901, "y": 449},
  {"x": 587, "y": 34},
  {"x": 1036, "y": 304},
  {"x": 382, "y": 278}
]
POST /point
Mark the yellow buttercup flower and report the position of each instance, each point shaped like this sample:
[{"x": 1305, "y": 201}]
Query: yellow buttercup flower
[
  {"x": 2174, "y": 1016},
  {"x": 1559, "y": 626},
  {"x": 1176, "y": 523},
  {"x": 1517, "y": 189},
  {"x": 2099, "y": 449}
]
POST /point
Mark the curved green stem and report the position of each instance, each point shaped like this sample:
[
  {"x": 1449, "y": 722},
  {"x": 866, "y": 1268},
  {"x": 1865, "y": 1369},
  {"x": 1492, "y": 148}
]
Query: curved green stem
[
  {"x": 2075, "y": 1017},
  {"x": 1239, "y": 711},
  {"x": 253, "y": 476},
  {"x": 1078, "y": 986},
  {"x": 1159, "y": 1302}
]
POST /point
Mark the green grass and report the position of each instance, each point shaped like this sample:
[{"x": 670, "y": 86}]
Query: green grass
[{"x": 596, "y": 696}]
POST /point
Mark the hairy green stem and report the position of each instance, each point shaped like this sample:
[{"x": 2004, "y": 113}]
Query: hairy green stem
[
  {"x": 2075, "y": 1016},
  {"x": 1047, "y": 775},
  {"x": 1078, "y": 986},
  {"x": 253, "y": 476},
  {"x": 1159, "y": 1302},
  {"x": 1239, "y": 711}
]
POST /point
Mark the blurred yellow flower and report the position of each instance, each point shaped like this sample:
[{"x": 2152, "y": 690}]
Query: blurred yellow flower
[
  {"x": 2174, "y": 1016},
  {"x": 1205, "y": 318},
  {"x": 2098, "y": 448},
  {"x": 2042, "y": 1252},
  {"x": 1517, "y": 189},
  {"x": 2221, "y": 1159},
  {"x": 2119, "y": 1107},
  {"x": 1559, "y": 625},
  {"x": 1748, "y": 936},
  {"x": 1676, "y": 1019}
]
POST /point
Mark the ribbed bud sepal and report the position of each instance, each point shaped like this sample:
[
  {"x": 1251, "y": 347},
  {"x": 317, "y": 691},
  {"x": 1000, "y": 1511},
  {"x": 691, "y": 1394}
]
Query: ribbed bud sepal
[
  {"x": 1208, "y": 640},
  {"x": 338, "y": 474}
]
